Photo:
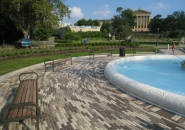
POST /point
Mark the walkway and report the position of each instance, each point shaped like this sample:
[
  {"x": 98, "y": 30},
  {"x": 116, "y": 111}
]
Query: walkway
[{"x": 80, "y": 97}]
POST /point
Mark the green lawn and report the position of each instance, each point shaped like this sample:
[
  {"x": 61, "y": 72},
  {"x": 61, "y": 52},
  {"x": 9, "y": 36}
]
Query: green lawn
[
  {"x": 18, "y": 63},
  {"x": 95, "y": 39}
]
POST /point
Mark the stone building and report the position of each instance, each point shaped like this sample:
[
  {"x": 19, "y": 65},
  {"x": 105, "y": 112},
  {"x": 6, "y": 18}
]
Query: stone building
[
  {"x": 85, "y": 28},
  {"x": 142, "y": 20}
]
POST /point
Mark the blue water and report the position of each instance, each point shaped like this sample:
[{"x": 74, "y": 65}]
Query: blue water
[{"x": 165, "y": 74}]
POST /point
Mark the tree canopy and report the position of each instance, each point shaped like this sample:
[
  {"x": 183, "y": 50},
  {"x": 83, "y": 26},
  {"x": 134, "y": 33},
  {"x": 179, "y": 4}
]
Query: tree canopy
[
  {"x": 26, "y": 14},
  {"x": 90, "y": 22},
  {"x": 123, "y": 22},
  {"x": 173, "y": 24},
  {"x": 106, "y": 28}
]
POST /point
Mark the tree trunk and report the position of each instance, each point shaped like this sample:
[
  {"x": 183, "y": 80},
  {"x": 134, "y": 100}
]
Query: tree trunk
[{"x": 25, "y": 32}]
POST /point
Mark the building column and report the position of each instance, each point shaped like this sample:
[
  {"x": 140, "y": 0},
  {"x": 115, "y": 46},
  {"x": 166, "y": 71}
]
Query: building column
[
  {"x": 143, "y": 21},
  {"x": 140, "y": 22},
  {"x": 146, "y": 22},
  {"x": 136, "y": 22}
]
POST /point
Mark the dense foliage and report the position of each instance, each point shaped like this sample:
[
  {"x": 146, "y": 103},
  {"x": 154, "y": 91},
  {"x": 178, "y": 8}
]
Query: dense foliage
[
  {"x": 123, "y": 23},
  {"x": 43, "y": 31},
  {"x": 26, "y": 14},
  {"x": 106, "y": 28},
  {"x": 90, "y": 22},
  {"x": 171, "y": 26}
]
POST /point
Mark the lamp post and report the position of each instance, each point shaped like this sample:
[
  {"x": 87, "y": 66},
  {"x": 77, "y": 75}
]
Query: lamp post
[
  {"x": 157, "y": 36},
  {"x": 109, "y": 36},
  {"x": 157, "y": 39},
  {"x": 81, "y": 35}
]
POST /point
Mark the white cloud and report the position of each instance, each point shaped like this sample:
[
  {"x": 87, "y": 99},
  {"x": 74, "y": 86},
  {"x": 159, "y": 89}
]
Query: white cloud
[
  {"x": 105, "y": 11},
  {"x": 76, "y": 12},
  {"x": 160, "y": 5}
]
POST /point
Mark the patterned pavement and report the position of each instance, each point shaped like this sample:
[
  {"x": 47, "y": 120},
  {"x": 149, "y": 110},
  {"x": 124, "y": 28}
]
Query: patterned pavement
[{"x": 79, "y": 97}]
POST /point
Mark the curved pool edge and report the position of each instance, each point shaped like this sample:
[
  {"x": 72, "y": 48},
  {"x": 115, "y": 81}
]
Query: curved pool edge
[{"x": 166, "y": 100}]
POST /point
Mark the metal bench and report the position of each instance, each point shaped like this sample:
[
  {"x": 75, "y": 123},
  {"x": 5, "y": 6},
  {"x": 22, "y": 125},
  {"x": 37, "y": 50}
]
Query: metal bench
[
  {"x": 52, "y": 63},
  {"x": 92, "y": 53},
  {"x": 25, "y": 103},
  {"x": 143, "y": 53}
]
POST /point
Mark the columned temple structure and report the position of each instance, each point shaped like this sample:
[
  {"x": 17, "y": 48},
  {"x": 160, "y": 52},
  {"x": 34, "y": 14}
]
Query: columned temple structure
[{"x": 142, "y": 20}]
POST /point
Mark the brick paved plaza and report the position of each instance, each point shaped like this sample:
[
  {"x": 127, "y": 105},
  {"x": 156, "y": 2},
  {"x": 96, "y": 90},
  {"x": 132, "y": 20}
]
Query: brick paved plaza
[{"x": 79, "y": 97}]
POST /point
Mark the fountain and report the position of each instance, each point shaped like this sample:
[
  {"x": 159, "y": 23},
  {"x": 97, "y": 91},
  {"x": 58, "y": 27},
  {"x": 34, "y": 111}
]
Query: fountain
[
  {"x": 183, "y": 64},
  {"x": 151, "y": 94}
]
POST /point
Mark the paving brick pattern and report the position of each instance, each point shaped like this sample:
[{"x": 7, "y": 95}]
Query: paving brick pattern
[{"x": 79, "y": 97}]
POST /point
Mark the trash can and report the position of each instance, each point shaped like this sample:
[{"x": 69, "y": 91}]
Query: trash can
[
  {"x": 122, "y": 51},
  {"x": 85, "y": 40}
]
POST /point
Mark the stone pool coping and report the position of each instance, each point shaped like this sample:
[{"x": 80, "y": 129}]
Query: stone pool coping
[{"x": 161, "y": 98}]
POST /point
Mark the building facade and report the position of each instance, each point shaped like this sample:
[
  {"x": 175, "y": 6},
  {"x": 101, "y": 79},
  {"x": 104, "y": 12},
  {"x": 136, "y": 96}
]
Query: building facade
[
  {"x": 85, "y": 28},
  {"x": 142, "y": 20}
]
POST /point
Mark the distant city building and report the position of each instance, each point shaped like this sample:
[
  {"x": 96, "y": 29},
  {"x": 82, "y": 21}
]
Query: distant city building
[
  {"x": 85, "y": 28},
  {"x": 61, "y": 24},
  {"x": 142, "y": 20}
]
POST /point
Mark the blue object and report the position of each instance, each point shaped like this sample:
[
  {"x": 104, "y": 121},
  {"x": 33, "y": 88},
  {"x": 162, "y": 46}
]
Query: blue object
[
  {"x": 23, "y": 42},
  {"x": 85, "y": 40},
  {"x": 163, "y": 73}
]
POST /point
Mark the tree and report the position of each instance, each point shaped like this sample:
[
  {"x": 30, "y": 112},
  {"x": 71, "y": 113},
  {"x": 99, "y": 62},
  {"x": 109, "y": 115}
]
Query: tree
[
  {"x": 123, "y": 22},
  {"x": 96, "y": 22},
  {"x": 175, "y": 21},
  {"x": 72, "y": 36},
  {"x": 90, "y": 22},
  {"x": 26, "y": 14},
  {"x": 106, "y": 28},
  {"x": 43, "y": 31},
  {"x": 81, "y": 22},
  {"x": 8, "y": 31},
  {"x": 67, "y": 29},
  {"x": 156, "y": 24},
  {"x": 119, "y": 9},
  {"x": 128, "y": 17}
]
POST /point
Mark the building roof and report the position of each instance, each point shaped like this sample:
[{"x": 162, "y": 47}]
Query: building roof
[
  {"x": 106, "y": 20},
  {"x": 140, "y": 11}
]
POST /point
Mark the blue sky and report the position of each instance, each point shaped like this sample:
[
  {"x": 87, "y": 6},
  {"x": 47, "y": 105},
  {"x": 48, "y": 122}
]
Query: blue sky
[{"x": 105, "y": 9}]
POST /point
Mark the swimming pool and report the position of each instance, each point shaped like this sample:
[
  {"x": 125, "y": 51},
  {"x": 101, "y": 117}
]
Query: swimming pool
[{"x": 139, "y": 76}]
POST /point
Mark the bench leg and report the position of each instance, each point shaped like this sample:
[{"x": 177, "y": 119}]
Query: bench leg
[
  {"x": 53, "y": 67},
  {"x": 37, "y": 123},
  {"x": 89, "y": 57},
  {"x": 45, "y": 67},
  {"x": 6, "y": 127}
]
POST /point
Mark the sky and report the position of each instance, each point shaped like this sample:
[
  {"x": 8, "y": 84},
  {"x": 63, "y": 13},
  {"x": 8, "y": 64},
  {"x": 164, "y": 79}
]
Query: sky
[{"x": 106, "y": 9}]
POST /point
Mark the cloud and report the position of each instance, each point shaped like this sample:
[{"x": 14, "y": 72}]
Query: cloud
[
  {"x": 160, "y": 5},
  {"x": 105, "y": 11},
  {"x": 76, "y": 12}
]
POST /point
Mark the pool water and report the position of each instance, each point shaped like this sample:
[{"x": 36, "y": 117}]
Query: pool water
[{"x": 162, "y": 73}]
